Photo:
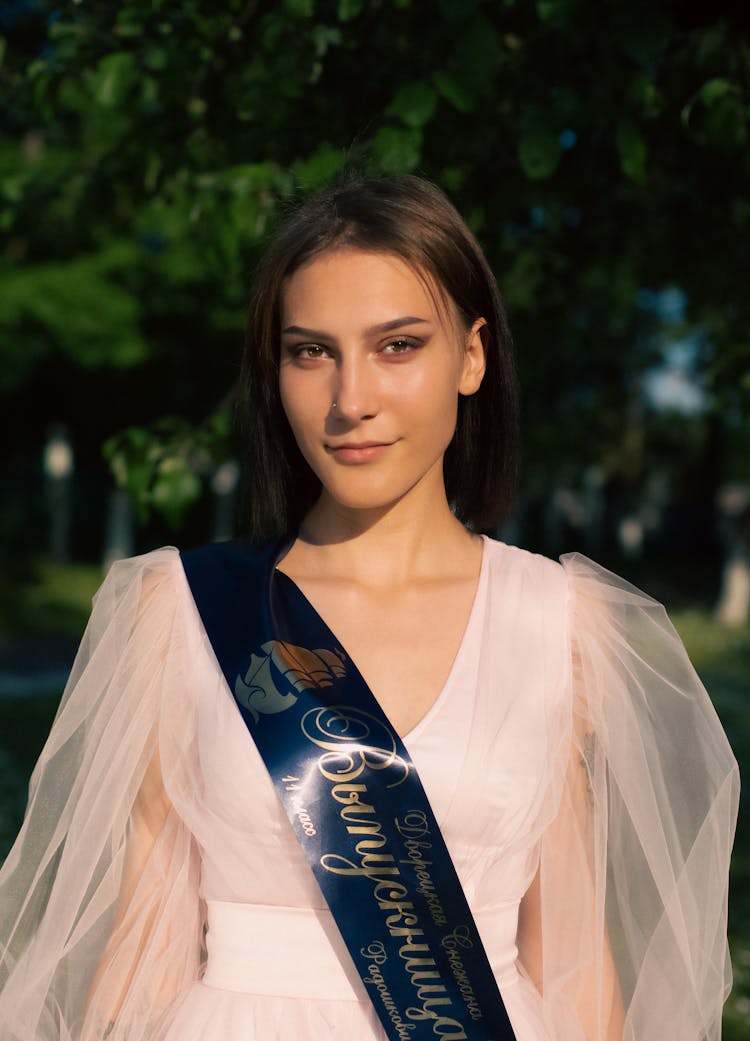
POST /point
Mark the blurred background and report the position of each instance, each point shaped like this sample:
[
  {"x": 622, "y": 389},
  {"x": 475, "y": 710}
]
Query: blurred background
[{"x": 598, "y": 148}]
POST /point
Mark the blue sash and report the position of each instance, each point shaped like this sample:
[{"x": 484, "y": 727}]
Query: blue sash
[{"x": 354, "y": 798}]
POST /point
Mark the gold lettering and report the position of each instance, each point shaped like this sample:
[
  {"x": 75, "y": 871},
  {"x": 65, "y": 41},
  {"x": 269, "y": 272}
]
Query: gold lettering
[
  {"x": 376, "y": 977},
  {"x": 404, "y": 918},
  {"x": 443, "y": 1026},
  {"x": 339, "y": 865},
  {"x": 396, "y": 905},
  {"x": 413, "y": 824},
  {"x": 350, "y": 811},
  {"x": 449, "y": 1029},
  {"x": 399, "y": 931},
  {"x": 392, "y": 890},
  {"x": 347, "y": 792},
  {"x": 342, "y": 766},
  {"x": 363, "y": 828},
  {"x": 350, "y": 773},
  {"x": 377, "y": 843}
]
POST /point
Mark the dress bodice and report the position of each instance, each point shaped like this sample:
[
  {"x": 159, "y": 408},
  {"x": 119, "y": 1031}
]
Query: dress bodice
[{"x": 482, "y": 753}]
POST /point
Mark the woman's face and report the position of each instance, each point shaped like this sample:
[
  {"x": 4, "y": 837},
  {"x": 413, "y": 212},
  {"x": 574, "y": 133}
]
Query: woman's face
[{"x": 371, "y": 367}]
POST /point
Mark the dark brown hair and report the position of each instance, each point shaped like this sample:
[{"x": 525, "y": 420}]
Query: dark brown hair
[{"x": 412, "y": 219}]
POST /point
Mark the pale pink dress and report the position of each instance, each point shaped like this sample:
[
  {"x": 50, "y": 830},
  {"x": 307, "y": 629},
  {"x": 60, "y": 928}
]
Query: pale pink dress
[{"x": 571, "y": 737}]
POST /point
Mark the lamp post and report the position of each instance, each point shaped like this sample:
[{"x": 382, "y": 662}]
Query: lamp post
[{"x": 58, "y": 462}]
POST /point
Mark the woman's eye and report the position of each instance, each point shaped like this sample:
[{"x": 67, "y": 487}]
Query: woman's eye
[
  {"x": 310, "y": 350},
  {"x": 400, "y": 346}
]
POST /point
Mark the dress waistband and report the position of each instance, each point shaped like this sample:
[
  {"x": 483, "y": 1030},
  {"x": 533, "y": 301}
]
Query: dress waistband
[
  {"x": 298, "y": 952},
  {"x": 294, "y": 952}
]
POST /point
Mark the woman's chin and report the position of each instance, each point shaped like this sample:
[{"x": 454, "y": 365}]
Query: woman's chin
[
  {"x": 374, "y": 503},
  {"x": 358, "y": 504}
]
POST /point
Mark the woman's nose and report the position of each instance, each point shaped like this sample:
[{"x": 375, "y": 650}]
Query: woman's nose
[{"x": 355, "y": 393}]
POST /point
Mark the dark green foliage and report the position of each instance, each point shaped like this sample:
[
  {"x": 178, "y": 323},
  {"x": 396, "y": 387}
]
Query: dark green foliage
[{"x": 596, "y": 147}]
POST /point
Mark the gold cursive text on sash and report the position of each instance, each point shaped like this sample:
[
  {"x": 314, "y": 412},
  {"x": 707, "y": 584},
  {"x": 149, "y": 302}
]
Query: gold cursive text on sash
[{"x": 342, "y": 732}]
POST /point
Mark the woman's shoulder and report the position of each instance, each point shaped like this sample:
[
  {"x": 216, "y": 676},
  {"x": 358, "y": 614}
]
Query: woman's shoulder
[
  {"x": 504, "y": 556},
  {"x": 574, "y": 572},
  {"x": 136, "y": 583},
  {"x": 163, "y": 558},
  {"x": 525, "y": 588}
]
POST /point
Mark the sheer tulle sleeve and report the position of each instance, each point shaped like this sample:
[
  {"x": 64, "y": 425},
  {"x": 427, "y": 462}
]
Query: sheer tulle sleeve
[
  {"x": 633, "y": 875},
  {"x": 100, "y": 921}
]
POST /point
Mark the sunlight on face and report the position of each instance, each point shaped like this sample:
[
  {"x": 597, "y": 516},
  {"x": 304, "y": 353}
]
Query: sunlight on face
[{"x": 371, "y": 366}]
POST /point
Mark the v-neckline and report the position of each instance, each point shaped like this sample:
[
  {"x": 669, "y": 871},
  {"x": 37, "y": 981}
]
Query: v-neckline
[
  {"x": 413, "y": 731},
  {"x": 436, "y": 705}
]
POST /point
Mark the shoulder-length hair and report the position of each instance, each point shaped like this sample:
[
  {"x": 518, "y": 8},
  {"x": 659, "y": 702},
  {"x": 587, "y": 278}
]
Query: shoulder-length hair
[{"x": 412, "y": 219}]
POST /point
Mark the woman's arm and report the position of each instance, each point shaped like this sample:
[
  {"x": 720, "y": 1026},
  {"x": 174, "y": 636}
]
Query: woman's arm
[
  {"x": 100, "y": 916},
  {"x": 634, "y": 865},
  {"x": 593, "y": 989},
  {"x": 112, "y": 980}
]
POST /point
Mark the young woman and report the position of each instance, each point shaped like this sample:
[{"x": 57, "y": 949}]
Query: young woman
[{"x": 582, "y": 782}]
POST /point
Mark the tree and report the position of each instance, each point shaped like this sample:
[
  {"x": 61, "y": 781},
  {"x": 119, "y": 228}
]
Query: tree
[{"x": 597, "y": 148}]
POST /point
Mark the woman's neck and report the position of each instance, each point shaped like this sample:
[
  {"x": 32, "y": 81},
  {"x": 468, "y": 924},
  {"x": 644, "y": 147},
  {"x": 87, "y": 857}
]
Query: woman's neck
[{"x": 406, "y": 541}]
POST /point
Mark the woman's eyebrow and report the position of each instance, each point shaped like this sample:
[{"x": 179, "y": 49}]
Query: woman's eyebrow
[
  {"x": 383, "y": 327},
  {"x": 396, "y": 323},
  {"x": 301, "y": 330}
]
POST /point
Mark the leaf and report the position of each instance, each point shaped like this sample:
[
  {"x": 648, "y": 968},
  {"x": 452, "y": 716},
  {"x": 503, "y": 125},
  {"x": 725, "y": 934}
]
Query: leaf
[
  {"x": 152, "y": 172},
  {"x": 320, "y": 167},
  {"x": 633, "y": 150},
  {"x": 645, "y": 94},
  {"x": 164, "y": 466},
  {"x": 711, "y": 93},
  {"x": 478, "y": 54},
  {"x": 455, "y": 93},
  {"x": 557, "y": 13},
  {"x": 716, "y": 115},
  {"x": 128, "y": 24},
  {"x": 714, "y": 89},
  {"x": 524, "y": 278},
  {"x": 220, "y": 424},
  {"x": 725, "y": 123},
  {"x": 156, "y": 59},
  {"x": 173, "y": 492},
  {"x": 79, "y": 308},
  {"x": 113, "y": 78},
  {"x": 129, "y": 455},
  {"x": 539, "y": 151},
  {"x": 414, "y": 104},
  {"x": 397, "y": 151},
  {"x": 324, "y": 37},
  {"x": 300, "y": 8},
  {"x": 454, "y": 177},
  {"x": 349, "y": 9},
  {"x": 644, "y": 32},
  {"x": 546, "y": 10}
]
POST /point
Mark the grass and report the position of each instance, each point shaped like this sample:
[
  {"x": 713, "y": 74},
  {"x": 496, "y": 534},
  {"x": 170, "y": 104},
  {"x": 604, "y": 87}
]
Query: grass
[
  {"x": 722, "y": 658},
  {"x": 59, "y": 601},
  {"x": 56, "y": 600}
]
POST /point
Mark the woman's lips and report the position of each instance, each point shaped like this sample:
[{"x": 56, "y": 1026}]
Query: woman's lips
[{"x": 362, "y": 452}]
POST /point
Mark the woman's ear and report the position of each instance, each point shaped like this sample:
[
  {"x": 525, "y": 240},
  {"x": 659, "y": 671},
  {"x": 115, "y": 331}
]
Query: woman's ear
[{"x": 474, "y": 361}]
